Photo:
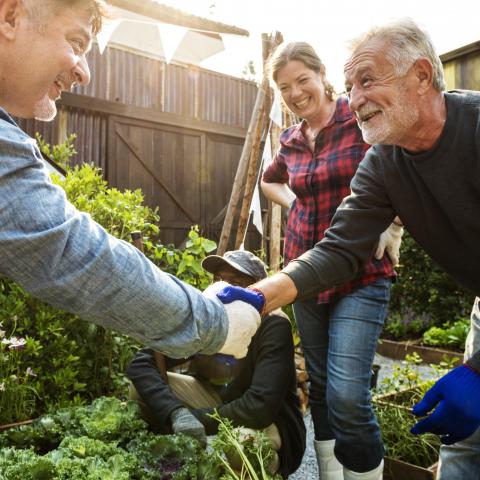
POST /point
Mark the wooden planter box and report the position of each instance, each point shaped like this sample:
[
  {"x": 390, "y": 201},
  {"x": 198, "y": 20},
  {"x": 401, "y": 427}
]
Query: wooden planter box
[
  {"x": 6, "y": 426},
  {"x": 396, "y": 399},
  {"x": 398, "y": 469},
  {"x": 398, "y": 350}
]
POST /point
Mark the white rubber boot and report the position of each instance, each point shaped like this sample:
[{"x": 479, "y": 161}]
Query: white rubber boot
[
  {"x": 329, "y": 468},
  {"x": 375, "y": 474}
]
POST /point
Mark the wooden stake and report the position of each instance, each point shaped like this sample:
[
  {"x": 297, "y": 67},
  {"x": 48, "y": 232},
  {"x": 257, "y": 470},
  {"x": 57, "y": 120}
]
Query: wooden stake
[
  {"x": 276, "y": 211},
  {"x": 240, "y": 175},
  {"x": 269, "y": 43},
  {"x": 252, "y": 169}
]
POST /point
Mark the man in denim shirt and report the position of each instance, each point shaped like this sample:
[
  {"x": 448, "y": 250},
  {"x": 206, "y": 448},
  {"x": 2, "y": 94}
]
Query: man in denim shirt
[{"x": 59, "y": 254}]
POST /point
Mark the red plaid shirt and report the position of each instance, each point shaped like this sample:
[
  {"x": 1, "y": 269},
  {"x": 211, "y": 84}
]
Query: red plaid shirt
[{"x": 321, "y": 180}]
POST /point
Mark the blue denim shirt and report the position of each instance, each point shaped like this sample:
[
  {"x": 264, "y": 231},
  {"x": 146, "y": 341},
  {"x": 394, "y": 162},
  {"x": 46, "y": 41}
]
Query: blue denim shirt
[{"x": 63, "y": 257}]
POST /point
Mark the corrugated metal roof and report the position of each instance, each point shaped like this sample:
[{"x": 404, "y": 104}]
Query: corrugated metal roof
[
  {"x": 167, "y": 14},
  {"x": 460, "y": 52}
]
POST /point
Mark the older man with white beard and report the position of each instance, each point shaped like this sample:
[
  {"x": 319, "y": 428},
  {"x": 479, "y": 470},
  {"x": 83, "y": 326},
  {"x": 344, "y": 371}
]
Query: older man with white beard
[{"x": 425, "y": 168}]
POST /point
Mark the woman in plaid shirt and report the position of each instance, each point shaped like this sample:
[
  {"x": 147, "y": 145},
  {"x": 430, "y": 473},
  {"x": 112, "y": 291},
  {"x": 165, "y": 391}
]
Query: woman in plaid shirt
[{"x": 310, "y": 175}]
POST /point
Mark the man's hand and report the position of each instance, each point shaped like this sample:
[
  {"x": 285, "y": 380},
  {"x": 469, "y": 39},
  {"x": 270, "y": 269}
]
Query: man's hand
[
  {"x": 390, "y": 241},
  {"x": 457, "y": 415},
  {"x": 243, "y": 320},
  {"x": 184, "y": 422}
]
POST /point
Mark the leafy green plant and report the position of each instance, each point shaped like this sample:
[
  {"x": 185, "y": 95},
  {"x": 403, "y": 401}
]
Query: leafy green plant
[
  {"x": 406, "y": 385},
  {"x": 255, "y": 452},
  {"x": 104, "y": 440},
  {"x": 449, "y": 335},
  {"x": 17, "y": 393},
  {"x": 62, "y": 153},
  {"x": 63, "y": 353},
  {"x": 24, "y": 464},
  {"x": 120, "y": 213},
  {"x": 395, "y": 423},
  {"x": 404, "y": 376},
  {"x": 393, "y": 403},
  {"x": 186, "y": 263}
]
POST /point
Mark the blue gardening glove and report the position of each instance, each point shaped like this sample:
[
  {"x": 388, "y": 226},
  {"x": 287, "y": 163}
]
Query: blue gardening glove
[
  {"x": 184, "y": 422},
  {"x": 457, "y": 415},
  {"x": 252, "y": 296},
  {"x": 243, "y": 321}
]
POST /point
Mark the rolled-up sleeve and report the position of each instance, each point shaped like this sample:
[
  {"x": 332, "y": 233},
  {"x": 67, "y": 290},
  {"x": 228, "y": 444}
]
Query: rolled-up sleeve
[{"x": 61, "y": 256}]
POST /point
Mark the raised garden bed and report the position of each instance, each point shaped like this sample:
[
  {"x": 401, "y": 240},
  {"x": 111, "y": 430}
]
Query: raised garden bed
[
  {"x": 106, "y": 438},
  {"x": 404, "y": 398},
  {"x": 416, "y": 459},
  {"x": 397, "y": 351},
  {"x": 398, "y": 470}
]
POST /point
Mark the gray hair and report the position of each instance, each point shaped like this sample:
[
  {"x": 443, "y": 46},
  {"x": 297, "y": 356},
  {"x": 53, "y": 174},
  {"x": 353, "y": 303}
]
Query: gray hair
[
  {"x": 408, "y": 43},
  {"x": 43, "y": 10}
]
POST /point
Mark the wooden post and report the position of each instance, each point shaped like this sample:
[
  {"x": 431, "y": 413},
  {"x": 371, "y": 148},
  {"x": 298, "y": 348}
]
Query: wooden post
[
  {"x": 252, "y": 169},
  {"x": 276, "y": 212},
  {"x": 240, "y": 175},
  {"x": 159, "y": 357},
  {"x": 62, "y": 125},
  {"x": 269, "y": 43}
]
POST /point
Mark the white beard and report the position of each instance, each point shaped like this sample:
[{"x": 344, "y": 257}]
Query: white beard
[
  {"x": 45, "y": 109},
  {"x": 391, "y": 124}
]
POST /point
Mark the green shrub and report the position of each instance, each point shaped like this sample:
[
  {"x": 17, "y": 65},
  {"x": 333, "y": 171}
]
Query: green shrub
[
  {"x": 62, "y": 153},
  {"x": 423, "y": 288},
  {"x": 120, "y": 213},
  {"x": 407, "y": 325},
  {"x": 185, "y": 264},
  {"x": 449, "y": 335}
]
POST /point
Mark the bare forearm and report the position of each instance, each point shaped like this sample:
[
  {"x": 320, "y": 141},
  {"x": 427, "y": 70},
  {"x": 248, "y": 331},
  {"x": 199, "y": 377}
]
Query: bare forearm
[
  {"x": 279, "y": 290},
  {"x": 279, "y": 193}
]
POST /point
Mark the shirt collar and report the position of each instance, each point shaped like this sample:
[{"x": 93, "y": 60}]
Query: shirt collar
[
  {"x": 342, "y": 114},
  {"x": 5, "y": 116}
]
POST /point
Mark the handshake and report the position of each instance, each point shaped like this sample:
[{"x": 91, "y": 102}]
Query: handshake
[{"x": 244, "y": 307}]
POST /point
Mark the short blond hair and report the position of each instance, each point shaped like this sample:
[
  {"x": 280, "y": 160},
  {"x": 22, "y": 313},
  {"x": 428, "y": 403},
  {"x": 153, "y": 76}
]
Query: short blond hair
[{"x": 408, "y": 42}]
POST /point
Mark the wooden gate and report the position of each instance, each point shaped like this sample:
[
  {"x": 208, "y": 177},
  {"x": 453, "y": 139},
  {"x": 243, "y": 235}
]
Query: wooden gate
[{"x": 187, "y": 174}]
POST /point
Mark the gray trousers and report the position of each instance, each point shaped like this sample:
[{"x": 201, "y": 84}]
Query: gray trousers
[{"x": 461, "y": 461}]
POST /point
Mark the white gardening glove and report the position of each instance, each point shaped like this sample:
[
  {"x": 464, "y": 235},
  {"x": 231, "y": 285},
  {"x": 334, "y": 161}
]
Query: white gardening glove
[
  {"x": 390, "y": 241},
  {"x": 243, "y": 321}
]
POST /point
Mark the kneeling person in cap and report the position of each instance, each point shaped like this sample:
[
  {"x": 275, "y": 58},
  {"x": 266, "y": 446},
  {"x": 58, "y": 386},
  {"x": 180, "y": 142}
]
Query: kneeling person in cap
[{"x": 257, "y": 392}]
